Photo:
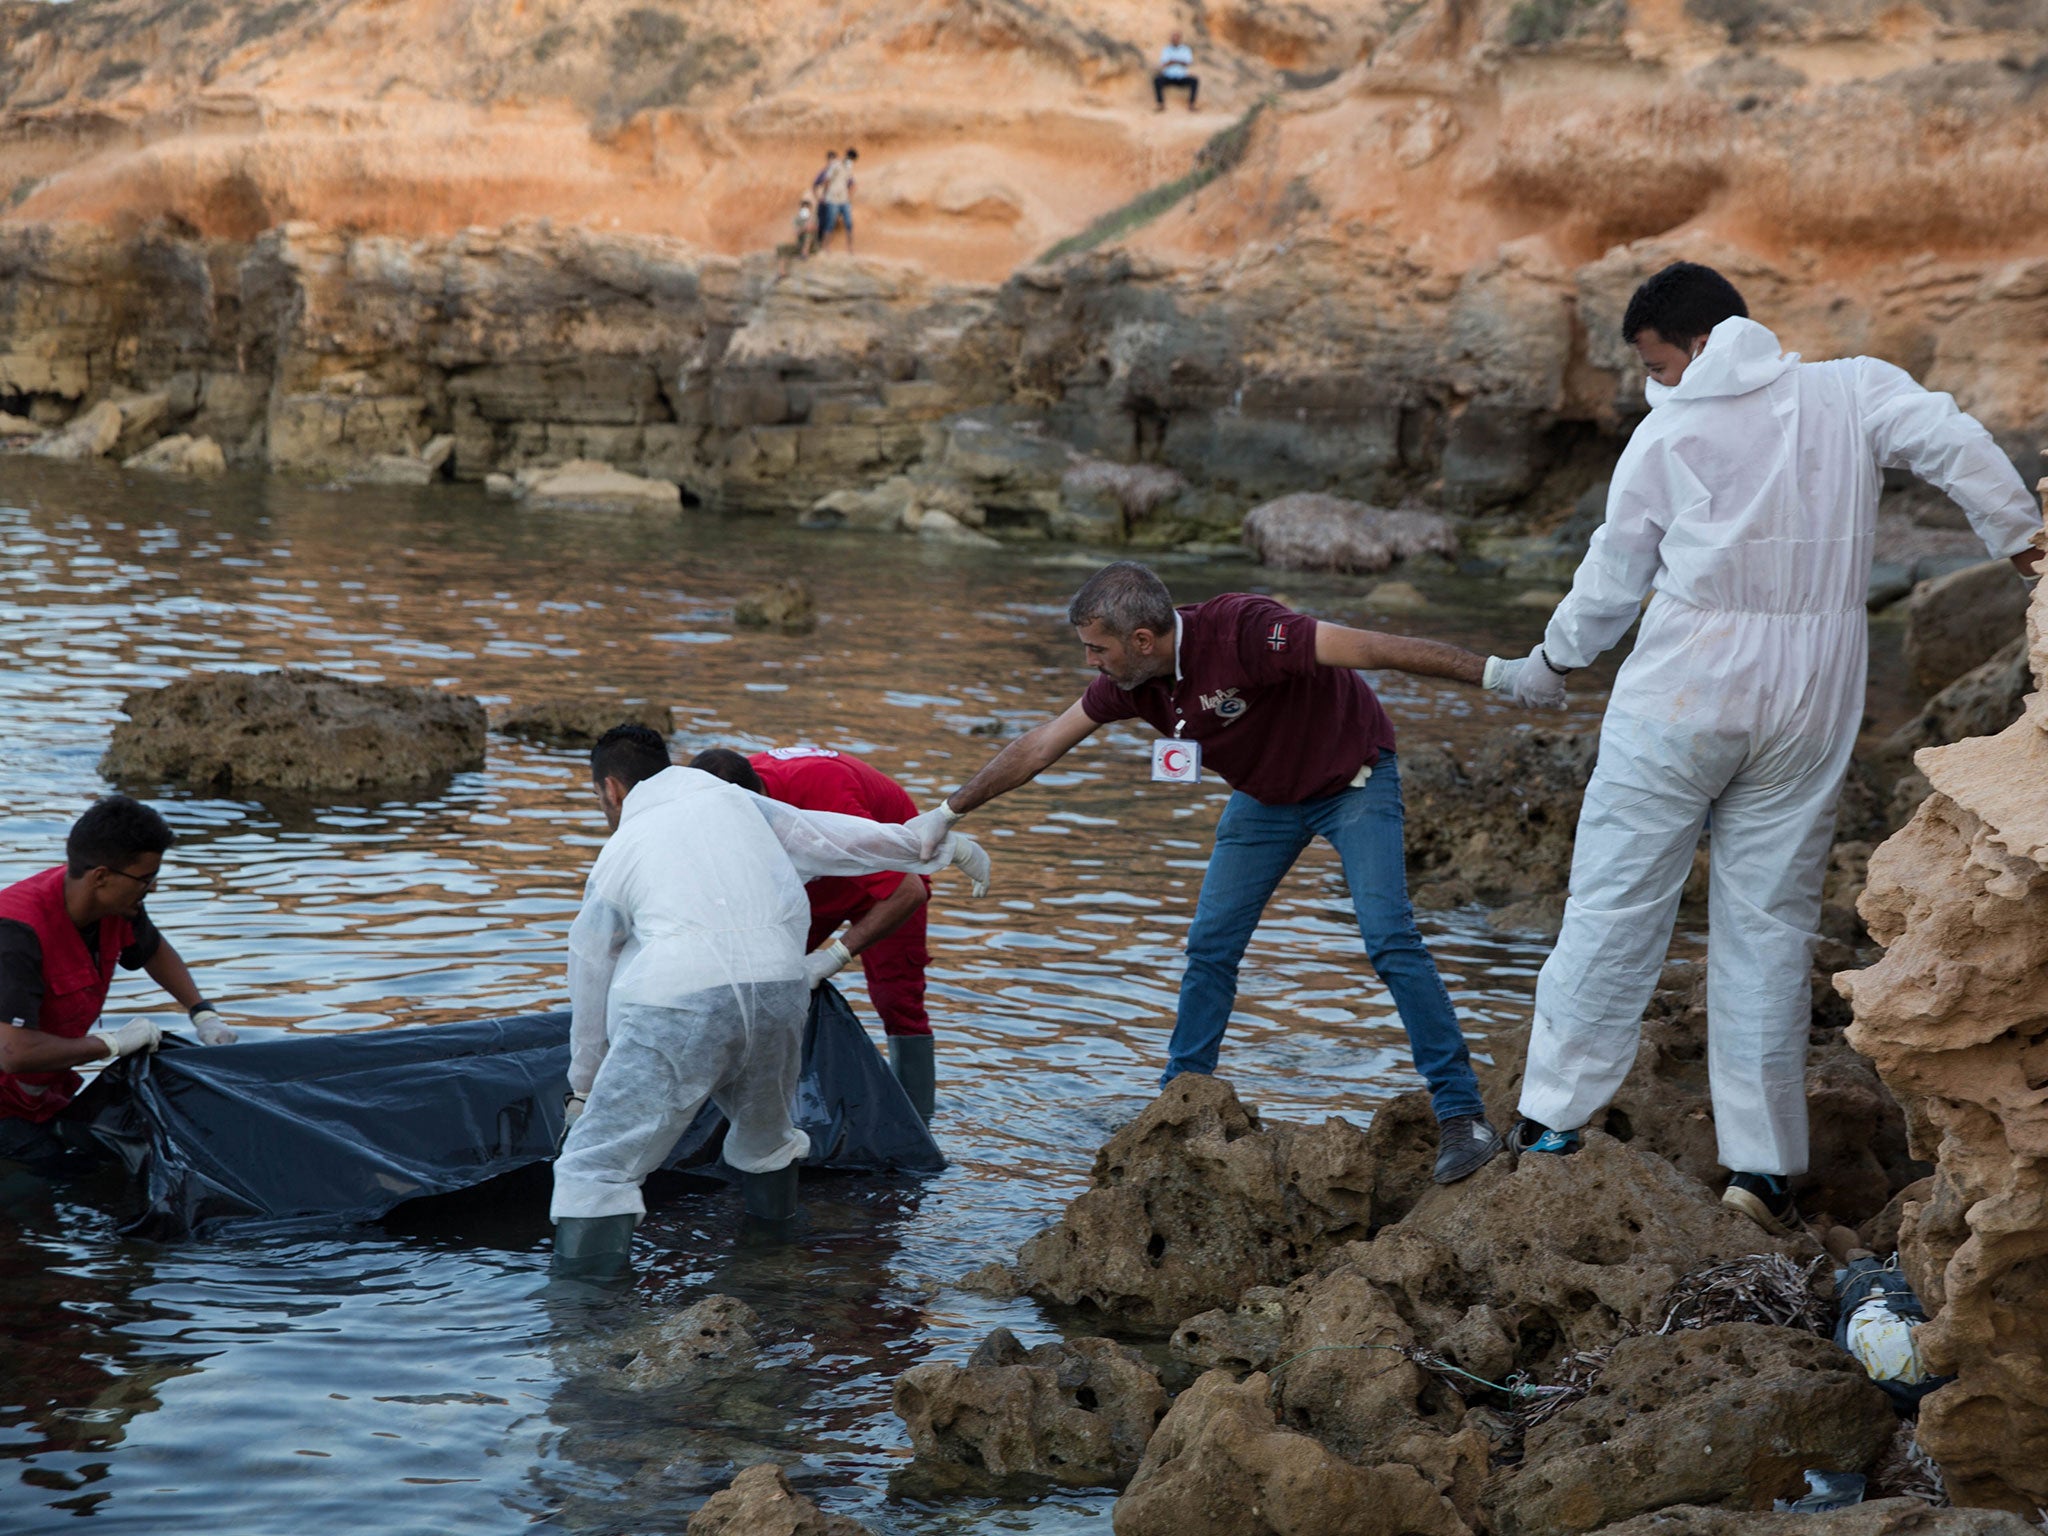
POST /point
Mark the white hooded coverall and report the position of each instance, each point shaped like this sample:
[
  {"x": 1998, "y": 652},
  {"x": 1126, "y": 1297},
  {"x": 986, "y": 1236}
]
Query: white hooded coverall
[
  {"x": 686, "y": 977},
  {"x": 1748, "y": 500}
]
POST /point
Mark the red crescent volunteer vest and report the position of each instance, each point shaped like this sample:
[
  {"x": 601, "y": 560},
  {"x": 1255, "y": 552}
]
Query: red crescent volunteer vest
[{"x": 75, "y": 983}]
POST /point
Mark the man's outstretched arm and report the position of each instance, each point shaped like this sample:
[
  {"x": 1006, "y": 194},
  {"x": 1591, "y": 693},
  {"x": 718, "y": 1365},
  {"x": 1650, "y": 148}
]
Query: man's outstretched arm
[
  {"x": 1369, "y": 650},
  {"x": 1024, "y": 759}
]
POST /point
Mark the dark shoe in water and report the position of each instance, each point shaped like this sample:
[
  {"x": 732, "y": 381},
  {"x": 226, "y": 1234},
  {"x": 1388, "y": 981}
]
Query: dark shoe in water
[
  {"x": 1765, "y": 1199},
  {"x": 770, "y": 1196},
  {"x": 1528, "y": 1136},
  {"x": 1464, "y": 1145},
  {"x": 594, "y": 1248},
  {"x": 910, "y": 1058}
]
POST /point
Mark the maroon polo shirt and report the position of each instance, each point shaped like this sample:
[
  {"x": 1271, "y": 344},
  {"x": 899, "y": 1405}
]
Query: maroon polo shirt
[{"x": 1247, "y": 686}]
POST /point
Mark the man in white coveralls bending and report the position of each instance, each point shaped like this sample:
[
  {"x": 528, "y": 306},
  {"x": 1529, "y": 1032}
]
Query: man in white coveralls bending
[
  {"x": 1747, "y": 500},
  {"x": 688, "y": 980}
]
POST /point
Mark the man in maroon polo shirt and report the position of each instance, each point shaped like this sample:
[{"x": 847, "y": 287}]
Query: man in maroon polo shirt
[
  {"x": 1272, "y": 700},
  {"x": 886, "y": 911}
]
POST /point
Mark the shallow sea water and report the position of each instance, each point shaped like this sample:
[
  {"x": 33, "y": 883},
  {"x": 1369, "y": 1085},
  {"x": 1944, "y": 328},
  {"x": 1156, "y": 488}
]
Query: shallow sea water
[{"x": 419, "y": 1375}]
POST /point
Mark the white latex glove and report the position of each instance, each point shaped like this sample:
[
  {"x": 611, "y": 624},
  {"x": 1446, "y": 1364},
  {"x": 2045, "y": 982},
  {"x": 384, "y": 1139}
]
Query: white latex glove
[
  {"x": 136, "y": 1035},
  {"x": 829, "y": 961},
  {"x": 211, "y": 1028},
  {"x": 972, "y": 861},
  {"x": 931, "y": 829},
  {"x": 1529, "y": 682},
  {"x": 572, "y": 1106}
]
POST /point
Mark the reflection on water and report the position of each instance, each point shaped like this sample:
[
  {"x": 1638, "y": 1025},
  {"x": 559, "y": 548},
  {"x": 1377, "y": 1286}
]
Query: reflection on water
[{"x": 419, "y": 1377}]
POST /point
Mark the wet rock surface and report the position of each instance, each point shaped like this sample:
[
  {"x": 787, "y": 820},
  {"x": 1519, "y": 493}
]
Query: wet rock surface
[
  {"x": 760, "y": 1502},
  {"x": 1221, "y": 1465},
  {"x": 292, "y": 732},
  {"x": 786, "y": 605},
  {"x": 585, "y": 483},
  {"x": 1498, "y": 828},
  {"x": 580, "y": 722},
  {"x": 197, "y": 458},
  {"x": 1951, "y": 1015},
  {"x": 1195, "y": 1202},
  {"x": 1308, "y": 531},
  {"x": 714, "y": 1337},
  {"x": 1732, "y": 1414},
  {"x": 1884, "y": 1517},
  {"x": 1077, "y": 1412}
]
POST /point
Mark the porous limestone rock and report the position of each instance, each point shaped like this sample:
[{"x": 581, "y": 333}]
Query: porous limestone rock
[
  {"x": 18, "y": 429},
  {"x": 1077, "y": 1412},
  {"x": 1500, "y": 827},
  {"x": 590, "y": 484},
  {"x": 760, "y": 1502},
  {"x": 1220, "y": 1465},
  {"x": 1957, "y": 622},
  {"x": 1244, "y": 1337},
  {"x": 90, "y": 435},
  {"x": 785, "y": 605},
  {"x": 1106, "y": 502},
  {"x": 1952, "y": 1015},
  {"x": 1195, "y": 1202},
  {"x": 1982, "y": 702},
  {"x": 293, "y": 732},
  {"x": 194, "y": 457},
  {"x": 1731, "y": 1414},
  {"x": 715, "y": 1336},
  {"x": 1309, "y": 531},
  {"x": 579, "y": 722}
]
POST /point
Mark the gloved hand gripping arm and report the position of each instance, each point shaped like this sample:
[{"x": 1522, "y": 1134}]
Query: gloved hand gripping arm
[
  {"x": 1019, "y": 763},
  {"x": 823, "y": 843}
]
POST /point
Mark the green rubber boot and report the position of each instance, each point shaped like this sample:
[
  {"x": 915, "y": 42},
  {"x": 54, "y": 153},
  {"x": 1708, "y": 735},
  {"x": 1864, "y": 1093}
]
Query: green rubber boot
[
  {"x": 771, "y": 1196},
  {"x": 910, "y": 1058},
  {"x": 594, "y": 1248}
]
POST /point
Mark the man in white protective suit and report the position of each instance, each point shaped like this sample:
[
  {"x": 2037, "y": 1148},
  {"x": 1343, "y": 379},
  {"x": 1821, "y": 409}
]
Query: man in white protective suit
[
  {"x": 688, "y": 980},
  {"x": 1747, "y": 502}
]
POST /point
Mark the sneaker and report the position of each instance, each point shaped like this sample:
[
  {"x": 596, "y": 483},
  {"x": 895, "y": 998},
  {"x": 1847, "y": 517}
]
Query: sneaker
[
  {"x": 1528, "y": 1136},
  {"x": 1765, "y": 1199},
  {"x": 1464, "y": 1145}
]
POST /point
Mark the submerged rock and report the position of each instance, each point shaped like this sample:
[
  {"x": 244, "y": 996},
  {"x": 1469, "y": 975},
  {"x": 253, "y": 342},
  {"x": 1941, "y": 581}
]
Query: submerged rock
[
  {"x": 1309, "y": 531},
  {"x": 292, "y": 731},
  {"x": 1077, "y": 1412},
  {"x": 1195, "y": 1202},
  {"x": 579, "y": 722},
  {"x": 760, "y": 1502},
  {"x": 195, "y": 457},
  {"x": 712, "y": 1337},
  {"x": 1729, "y": 1414},
  {"x": 1221, "y": 1466},
  {"x": 786, "y": 605}
]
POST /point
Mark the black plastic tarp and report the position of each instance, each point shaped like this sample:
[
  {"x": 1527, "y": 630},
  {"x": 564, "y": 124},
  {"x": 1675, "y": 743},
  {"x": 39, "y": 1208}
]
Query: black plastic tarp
[{"x": 313, "y": 1130}]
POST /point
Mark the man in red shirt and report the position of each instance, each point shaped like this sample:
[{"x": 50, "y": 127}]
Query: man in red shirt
[
  {"x": 886, "y": 911},
  {"x": 62, "y": 932},
  {"x": 1272, "y": 700}
]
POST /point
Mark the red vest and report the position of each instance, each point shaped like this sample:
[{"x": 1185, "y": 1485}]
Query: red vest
[{"x": 75, "y": 983}]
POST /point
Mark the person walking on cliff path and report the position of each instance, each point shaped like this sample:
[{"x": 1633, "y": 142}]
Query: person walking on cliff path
[
  {"x": 834, "y": 188},
  {"x": 886, "y": 911},
  {"x": 62, "y": 933},
  {"x": 1272, "y": 700},
  {"x": 687, "y": 981},
  {"x": 1176, "y": 73},
  {"x": 1747, "y": 503}
]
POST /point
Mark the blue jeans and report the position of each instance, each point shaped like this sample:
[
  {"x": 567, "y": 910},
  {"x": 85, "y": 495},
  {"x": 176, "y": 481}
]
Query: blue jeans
[{"x": 1256, "y": 845}]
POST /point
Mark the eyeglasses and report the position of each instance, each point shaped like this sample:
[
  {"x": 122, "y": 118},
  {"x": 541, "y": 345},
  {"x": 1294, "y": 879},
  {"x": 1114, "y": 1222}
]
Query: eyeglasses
[{"x": 147, "y": 882}]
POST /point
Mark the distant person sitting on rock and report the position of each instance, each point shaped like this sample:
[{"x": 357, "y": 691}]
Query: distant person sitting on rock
[
  {"x": 62, "y": 933},
  {"x": 884, "y": 914},
  {"x": 1176, "y": 72},
  {"x": 1747, "y": 504},
  {"x": 835, "y": 192},
  {"x": 1274, "y": 702}
]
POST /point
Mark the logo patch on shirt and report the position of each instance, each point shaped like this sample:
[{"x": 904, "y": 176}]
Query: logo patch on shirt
[
  {"x": 1276, "y": 638},
  {"x": 1225, "y": 705}
]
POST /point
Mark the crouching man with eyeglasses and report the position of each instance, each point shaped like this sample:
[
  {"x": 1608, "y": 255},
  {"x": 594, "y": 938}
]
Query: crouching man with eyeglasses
[{"x": 62, "y": 932}]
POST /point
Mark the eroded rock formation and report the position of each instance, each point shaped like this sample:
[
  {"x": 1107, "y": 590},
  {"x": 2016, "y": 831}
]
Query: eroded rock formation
[
  {"x": 760, "y": 1502},
  {"x": 1954, "y": 1015},
  {"x": 292, "y": 732}
]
